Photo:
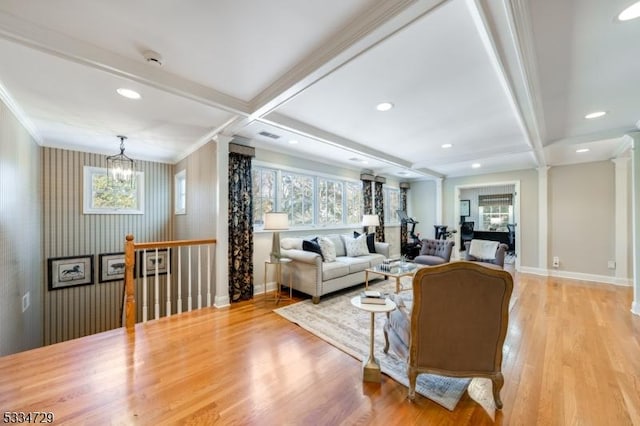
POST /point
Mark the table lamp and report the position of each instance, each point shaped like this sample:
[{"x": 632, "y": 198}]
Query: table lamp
[
  {"x": 370, "y": 220},
  {"x": 276, "y": 221}
]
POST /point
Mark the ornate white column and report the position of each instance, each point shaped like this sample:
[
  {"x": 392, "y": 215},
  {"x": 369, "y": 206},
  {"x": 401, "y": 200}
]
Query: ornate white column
[
  {"x": 543, "y": 219},
  {"x": 222, "y": 222},
  {"x": 635, "y": 218},
  {"x": 622, "y": 219}
]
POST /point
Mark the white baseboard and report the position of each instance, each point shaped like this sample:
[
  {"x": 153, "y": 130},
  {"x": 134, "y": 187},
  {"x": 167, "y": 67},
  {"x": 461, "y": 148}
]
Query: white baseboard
[
  {"x": 590, "y": 277},
  {"x": 533, "y": 271},
  {"x": 221, "y": 301},
  {"x": 635, "y": 308},
  {"x": 580, "y": 276}
]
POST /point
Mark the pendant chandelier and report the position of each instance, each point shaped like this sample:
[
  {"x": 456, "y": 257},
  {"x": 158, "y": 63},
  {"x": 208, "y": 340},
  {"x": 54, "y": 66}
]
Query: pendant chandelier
[{"x": 120, "y": 167}]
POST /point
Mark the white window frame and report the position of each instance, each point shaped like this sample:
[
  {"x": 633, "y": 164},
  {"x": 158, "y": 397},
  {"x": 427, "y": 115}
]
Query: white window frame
[
  {"x": 87, "y": 199},
  {"x": 180, "y": 198},
  {"x": 388, "y": 213}
]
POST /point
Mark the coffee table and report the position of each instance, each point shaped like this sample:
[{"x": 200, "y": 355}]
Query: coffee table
[
  {"x": 371, "y": 368},
  {"x": 397, "y": 272}
]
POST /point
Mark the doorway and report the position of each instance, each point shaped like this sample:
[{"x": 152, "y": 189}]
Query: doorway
[{"x": 494, "y": 209}]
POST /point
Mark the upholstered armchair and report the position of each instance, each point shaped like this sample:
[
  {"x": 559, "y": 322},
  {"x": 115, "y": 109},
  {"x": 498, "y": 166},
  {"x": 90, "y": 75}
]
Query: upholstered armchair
[
  {"x": 454, "y": 325},
  {"x": 434, "y": 252},
  {"x": 497, "y": 260}
]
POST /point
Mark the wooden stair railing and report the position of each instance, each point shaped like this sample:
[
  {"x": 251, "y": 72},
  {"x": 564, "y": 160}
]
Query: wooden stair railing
[{"x": 130, "y": 247}]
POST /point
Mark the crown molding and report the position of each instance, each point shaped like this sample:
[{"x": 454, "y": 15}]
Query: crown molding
[{"x": 7, "y": 99}]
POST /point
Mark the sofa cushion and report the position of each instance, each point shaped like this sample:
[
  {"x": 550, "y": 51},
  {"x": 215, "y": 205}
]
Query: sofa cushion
[
  {"x": 355, "y": 246},
  {"x": 334, "y": 270},
  {"x": 371, "y": 241},
  {"x": 328, "y": 249},
  {"x": 355, "y": 264},
  {"x": 338, "y": 244},
  {"x": 313, "y": 246},
  {"x": 373, "y": 259},
  {"x": 291, "y": 243},
  {"x": 426, "y": 259}
]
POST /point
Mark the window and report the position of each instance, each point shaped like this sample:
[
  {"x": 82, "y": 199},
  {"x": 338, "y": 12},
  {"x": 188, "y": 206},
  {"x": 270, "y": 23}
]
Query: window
[
  {"x": 309, "y": 200},
  {"x": 180, "y": 190},
  {"x": 264, "y": 192},
  {"x": 495, "y": 211},
  {"x": 330, "y": 206},
  {"x": 105, "y": 196},
  {"x": 391, "y": 205},
  {"x": 353, "y": 200},
  {"x": 297, "y": 198}
]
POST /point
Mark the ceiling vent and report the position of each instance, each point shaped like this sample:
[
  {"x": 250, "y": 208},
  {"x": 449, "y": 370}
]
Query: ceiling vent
[
  {"x": 153, "y": 57},
  {"x": 269, "y": 135}
]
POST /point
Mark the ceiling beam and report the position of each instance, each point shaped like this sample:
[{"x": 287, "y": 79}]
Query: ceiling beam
[
  {"x": 380, "y": 22},
  {"x": 50, "y": 42}
]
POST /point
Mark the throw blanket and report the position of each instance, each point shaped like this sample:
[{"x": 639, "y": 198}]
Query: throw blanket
[{"x": 482, "y": 249}]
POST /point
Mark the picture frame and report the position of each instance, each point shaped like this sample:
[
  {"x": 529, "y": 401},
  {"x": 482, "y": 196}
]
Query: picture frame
[
  {"x": 111, "y": 267},
  {"x": 465, "y": 208},
  {"x": 70, "y": 271},
  {"x": 147, "y": 260}
]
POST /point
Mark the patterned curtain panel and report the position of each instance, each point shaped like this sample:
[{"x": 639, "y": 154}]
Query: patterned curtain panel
[
  {"x": 367, "y": 196},
  {"x": 404, "y": 233},
  {"x": 380, "y": 212},
  {"x": 240, "y": 228}
]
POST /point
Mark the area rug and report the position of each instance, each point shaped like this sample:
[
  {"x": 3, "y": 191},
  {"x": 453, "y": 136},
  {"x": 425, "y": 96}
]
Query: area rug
[{"x": 346, "y": 327}]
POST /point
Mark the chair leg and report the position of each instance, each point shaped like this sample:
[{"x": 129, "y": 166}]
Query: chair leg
[
  {"x": 413, "y": 375},
  {"x": 497, "y": 382}
]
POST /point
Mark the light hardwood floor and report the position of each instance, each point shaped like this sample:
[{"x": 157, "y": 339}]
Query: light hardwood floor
[{"x": 572, "y": 356}]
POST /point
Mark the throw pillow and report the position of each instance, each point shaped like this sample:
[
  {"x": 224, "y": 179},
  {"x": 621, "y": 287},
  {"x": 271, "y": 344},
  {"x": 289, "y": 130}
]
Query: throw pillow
[
  {"x": 371, "y": 241},
  {"x": 328, "y": 249},
  {"x": 313, "y": 246},
  {"x": 356, "y": 246}
]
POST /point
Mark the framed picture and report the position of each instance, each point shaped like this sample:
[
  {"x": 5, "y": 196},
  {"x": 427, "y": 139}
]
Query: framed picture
[
  {"x": 70, "y": 271},
  {"x": 465, "y": 208},
  {"x": 149, "y": 263},
  {"x": 112, "y": 267}
]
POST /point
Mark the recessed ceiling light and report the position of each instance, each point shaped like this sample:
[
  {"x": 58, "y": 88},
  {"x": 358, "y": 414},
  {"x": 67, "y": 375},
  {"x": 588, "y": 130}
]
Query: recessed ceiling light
[
  {"x": 631, "y": 12},
  {"x": 402, "y": 173},
  {"x": 128, "y": 93},
  {"x": 475, "y": 165},
  {"x": 581, "y": 150},
  {"x": 596, "y": 114},
  {"x": 384, "y": 106},
  {"x": 293, "y": 141},
  {"x": 446, "y": 145}
]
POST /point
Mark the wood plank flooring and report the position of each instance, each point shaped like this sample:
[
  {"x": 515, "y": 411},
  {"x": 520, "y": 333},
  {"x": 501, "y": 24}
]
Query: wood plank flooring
[{"x": 572, "y": 356}]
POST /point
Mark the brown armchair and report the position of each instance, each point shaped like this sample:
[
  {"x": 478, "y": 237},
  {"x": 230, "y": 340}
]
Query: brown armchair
[{"x": 455, "y": 325}]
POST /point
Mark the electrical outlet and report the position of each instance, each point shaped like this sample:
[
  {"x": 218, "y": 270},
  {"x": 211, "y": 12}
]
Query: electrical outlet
[
  {"x": 26, "y": 301},
  {"x": 556, "y": 261},
  {"x": 611, "y": 264}
]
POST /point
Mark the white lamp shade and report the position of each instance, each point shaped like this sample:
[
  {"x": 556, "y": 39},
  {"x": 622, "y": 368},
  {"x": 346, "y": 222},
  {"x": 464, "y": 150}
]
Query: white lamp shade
[
  {"x": 370, "y": 220},
  {"x": 276, "y": 221}
]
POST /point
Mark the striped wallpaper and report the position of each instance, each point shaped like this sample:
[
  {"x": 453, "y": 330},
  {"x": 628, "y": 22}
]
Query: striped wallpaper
[{"x": 79, "y": 311}]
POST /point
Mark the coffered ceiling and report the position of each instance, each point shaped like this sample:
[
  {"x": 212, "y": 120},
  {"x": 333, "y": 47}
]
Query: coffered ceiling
[{"x": 506, "y": 83}]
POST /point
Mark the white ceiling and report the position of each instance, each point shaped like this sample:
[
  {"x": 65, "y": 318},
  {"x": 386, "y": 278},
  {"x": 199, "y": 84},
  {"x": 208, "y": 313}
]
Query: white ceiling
[{"x": 507, "y": 82}]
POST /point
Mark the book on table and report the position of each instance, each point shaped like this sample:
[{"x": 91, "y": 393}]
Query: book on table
[{"x": 373, "y": 297}]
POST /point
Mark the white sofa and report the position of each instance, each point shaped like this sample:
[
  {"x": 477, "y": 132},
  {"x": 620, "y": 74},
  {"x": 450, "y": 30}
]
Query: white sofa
[{"x": 312, "y": 276}]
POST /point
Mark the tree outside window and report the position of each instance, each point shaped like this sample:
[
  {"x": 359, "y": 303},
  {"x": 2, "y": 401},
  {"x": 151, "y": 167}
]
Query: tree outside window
[
  {"x": 107, "y": 196},
  {"x": 297, "y": 198}
]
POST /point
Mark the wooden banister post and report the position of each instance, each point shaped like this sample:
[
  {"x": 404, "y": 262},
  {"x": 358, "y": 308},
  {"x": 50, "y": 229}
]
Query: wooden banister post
[{"x": 129, "y": 284}]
